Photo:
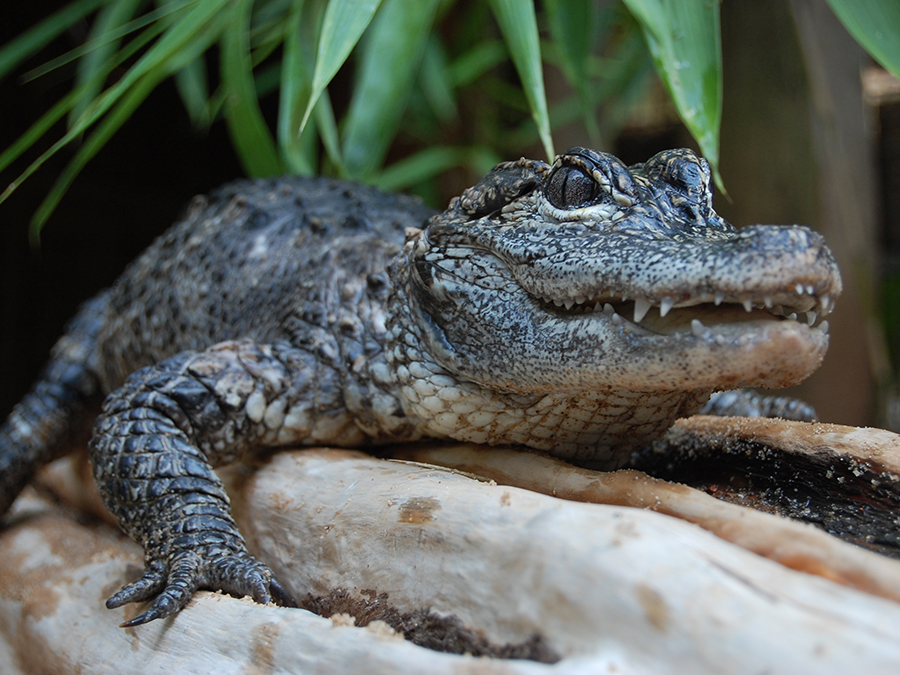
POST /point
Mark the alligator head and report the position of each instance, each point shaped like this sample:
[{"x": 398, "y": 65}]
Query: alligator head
[{"x": 608, "y": 287}]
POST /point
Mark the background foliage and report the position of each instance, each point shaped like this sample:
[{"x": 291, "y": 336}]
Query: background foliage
[{"x": 409, "y": 112}]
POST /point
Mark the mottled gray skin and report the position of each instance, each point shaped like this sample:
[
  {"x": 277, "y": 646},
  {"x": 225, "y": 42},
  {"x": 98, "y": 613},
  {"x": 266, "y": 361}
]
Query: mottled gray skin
[{"x": 578, "y": 308}]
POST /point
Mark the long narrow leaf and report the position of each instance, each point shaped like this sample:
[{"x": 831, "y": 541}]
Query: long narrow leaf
[
  {"x": 181, "y": 35},
  {"x": 191, "y": 82},
  {"x": 683, "y": 37},
  {"x": 430, "y": 162},
  {"x": 193, "y": 89},
  {"x": 111, "y": 123},
  {"x": 390, "y": 60},
  {"x": 34, "y": 39},
  {"x": 39, "y": 128},
  {"x": 324, "y": 115},
  {"x": 60, "y": 109},
  {"x": 248, "y": 130},
  {"x": 122, "y": 111},
  {"x": 434, "y": 80},
  {"x": 295, "y": 85},
  {"x": 474, "y": 63},
  {"x": 91, "y": 71},
  {"x": 519, "y": 27},
  {"x": 573, "y": 27},
  {"x": 876, "y": 26},
  {"x": 110, "y": 36},
  {"x": 343, "y": 25}
]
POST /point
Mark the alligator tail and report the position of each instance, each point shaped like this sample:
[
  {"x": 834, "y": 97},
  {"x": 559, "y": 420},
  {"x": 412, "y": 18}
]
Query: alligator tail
[{"x": 52, "y": 418}]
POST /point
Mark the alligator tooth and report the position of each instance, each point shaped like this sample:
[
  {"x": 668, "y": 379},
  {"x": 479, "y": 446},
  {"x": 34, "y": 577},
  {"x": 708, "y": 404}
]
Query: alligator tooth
[
  {"x": 697, "y": 328},
  {"x": 810, "y": 290},
  {"x": 568, "y": 303},
  {"x": 824, "y": 327},
  {"x": 799, "y": 288},
  {"x": 767, "y": 300},
  {"x": 641, "y": 307},
  {"x": 748, "y": 305},
  {"x": 579, "y": 299},
  {"x": 616, "y": 319},
  {"x": 666, "y": 304},
  {"x": 608, "y": 309},
  {"x": 720, "y": 298},
  {"x": 826, "y": 304},
  {"x": 558, "y": 303},
  {"x": 810, "y": 318},
  {"x": 792, "y": 316},
  {"x": 720, "y": 340}
]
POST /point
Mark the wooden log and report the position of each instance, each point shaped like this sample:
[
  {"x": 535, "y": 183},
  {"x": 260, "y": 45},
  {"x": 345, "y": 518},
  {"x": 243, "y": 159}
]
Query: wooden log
[
  {"x": 471, "y": 566},
  {"x": 582, "y": 579},
  {"x": 55, "y": 574}
]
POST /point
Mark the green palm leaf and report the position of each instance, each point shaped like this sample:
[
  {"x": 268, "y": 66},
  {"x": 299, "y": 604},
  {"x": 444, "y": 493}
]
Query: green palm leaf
[{"x": 683, "y": 37}]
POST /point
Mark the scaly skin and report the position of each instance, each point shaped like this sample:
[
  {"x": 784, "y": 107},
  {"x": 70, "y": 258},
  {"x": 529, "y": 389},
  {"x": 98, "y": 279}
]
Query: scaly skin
[{"x": 578, "y": 309}]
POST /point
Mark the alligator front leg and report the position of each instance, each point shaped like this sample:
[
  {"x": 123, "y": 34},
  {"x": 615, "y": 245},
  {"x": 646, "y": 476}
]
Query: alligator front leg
[
  {"x": 54, "y": 417},
  {"x": 155, "y": 445}
]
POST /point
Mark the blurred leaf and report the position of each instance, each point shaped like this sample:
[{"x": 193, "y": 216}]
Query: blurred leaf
[
  {"x": 573, "y": 26},
  {"x": 324, "y": 116},
  {"x": 46, "y": 121},
  {"x": 248, "y": 130},
  {"x": 519, "y": 27},
  {"x": 92, "y": 145},
  {"x": 121, "y": 112},
  {"x": 430, "y": 162},
  {"x": 39, "y": 128},
  {"x": 34, "y": 39},
  {"x": 296, "y": 77},
  {"x": 391, "y": 57},
  {"x": 153, "y": 19},
  {"x": 194, "y": 92},
  {"x": 344, "y": 23},
  {"x": 191, "y": 35},
  {"x": 876, "y": 26},
  {"x": 474, "y": 63},
  {"x": 434, "y": 80},
  {"x": 683, "y": 37},
  {"x": 191, "y": 81},
  {"x": 188, "y": 34},
  {"x": 92, "y": 70},
  {"x": 267, "y": 79},
  {"x": 270, "y": 11}
]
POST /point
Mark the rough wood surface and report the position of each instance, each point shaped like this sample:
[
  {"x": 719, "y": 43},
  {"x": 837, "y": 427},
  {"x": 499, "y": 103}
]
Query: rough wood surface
[
  {"x": 55, "y": 574},
  {"x": 471, "y": 565},
  {"x": 793, "y": 544}
]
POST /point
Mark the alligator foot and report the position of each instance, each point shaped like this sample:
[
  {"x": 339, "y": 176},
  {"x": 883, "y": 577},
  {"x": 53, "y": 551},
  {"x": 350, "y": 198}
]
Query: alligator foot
[
  {"x": 748, "y": 403},
  {"x": 173, "y": 582}
]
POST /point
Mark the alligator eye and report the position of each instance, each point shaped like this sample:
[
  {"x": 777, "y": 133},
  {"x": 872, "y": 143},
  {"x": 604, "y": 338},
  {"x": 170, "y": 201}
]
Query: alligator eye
[{"x": 570, "y": 188}]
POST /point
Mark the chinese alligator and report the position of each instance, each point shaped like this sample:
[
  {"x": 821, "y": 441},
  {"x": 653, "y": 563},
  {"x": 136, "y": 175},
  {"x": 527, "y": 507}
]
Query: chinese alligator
[{"x": 577, "y": 308}]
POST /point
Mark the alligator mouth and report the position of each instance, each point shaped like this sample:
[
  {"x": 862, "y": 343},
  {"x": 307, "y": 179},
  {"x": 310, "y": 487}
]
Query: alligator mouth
[{"x": 711, "y": 319}]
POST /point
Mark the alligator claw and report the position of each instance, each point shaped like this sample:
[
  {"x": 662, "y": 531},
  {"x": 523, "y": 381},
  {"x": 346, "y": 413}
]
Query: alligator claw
[{"x": 174, "y": 584}]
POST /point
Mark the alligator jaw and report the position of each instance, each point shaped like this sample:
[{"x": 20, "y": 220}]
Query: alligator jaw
[
  {"x": 702, "y": 319},
  {"x": 710, "y": 339}
]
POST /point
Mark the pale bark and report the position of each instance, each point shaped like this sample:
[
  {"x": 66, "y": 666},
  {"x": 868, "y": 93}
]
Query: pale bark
[{"x": 603, "y": 588}]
